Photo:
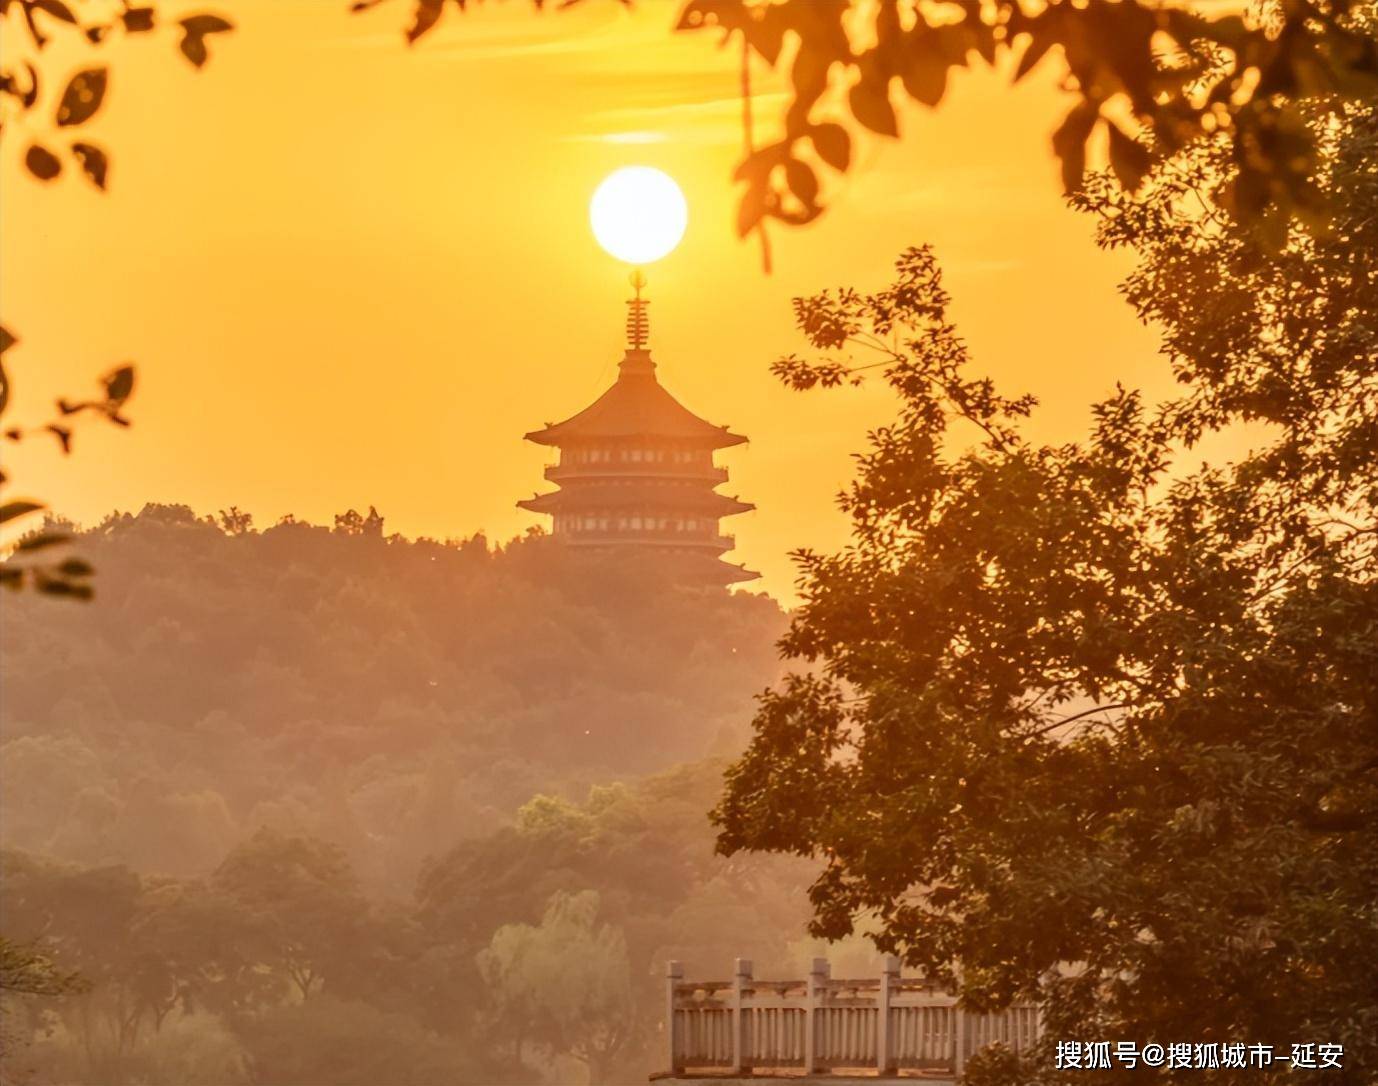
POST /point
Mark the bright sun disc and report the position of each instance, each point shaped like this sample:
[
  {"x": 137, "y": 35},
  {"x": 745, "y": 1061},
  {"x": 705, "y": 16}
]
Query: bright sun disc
[{"x": 638, "y": 214}]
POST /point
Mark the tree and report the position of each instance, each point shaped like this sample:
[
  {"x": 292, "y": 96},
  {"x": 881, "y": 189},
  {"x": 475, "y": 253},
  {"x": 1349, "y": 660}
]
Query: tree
[
  {"x": 298, "y": 906},
  {"x": 1101, "y": 728},
  {"x": 565, "y": 984}
]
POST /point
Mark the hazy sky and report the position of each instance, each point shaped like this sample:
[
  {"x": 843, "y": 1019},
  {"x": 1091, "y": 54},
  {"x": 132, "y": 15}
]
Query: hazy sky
[{"x": 352, "y": 272}]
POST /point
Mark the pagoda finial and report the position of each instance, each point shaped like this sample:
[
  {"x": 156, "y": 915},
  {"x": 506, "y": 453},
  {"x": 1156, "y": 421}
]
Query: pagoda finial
[{"x": 638, "y": 322}]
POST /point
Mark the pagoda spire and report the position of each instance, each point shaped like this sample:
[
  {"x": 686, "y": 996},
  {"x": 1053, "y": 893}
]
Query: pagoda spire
[{"x": 638, "y": 320}]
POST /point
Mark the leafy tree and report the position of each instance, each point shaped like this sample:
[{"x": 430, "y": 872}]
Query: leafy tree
[
  {"x": 297, "y": 903},
  {"x": 1101, "y": 727},
  {"x": 565, "y": 983}
]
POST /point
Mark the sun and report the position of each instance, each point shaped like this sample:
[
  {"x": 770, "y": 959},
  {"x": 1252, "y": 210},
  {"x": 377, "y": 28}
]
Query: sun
[{"x": 638, "y": 214}]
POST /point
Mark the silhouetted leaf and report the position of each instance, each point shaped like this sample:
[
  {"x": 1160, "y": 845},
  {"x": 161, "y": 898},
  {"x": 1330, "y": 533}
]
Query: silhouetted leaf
[
  {"x": 802, "y": 182},
  {"x": 1069, "y": 142},
  {"x": 833, "y": 144},
  {"x": 427, "y": 15},
  {"x": 12, "y": 510},
  {"x": 42, "y": 163},
  {"x": 63, "y": 435},
  {"x": 1128, "y": 158},
  {"x": 119, "y": 383},
  {"x": 46, "y": 539},
  {"x": 195, "y": 28},
  {"x": 56, "y": 9},
  {"x": 30, "y": 96},
  {"x": 94, "y": 162},
  {"x": 750, "y": 210},
  {"x": 870, "y": 102},
  {"x": 138, "y": 20},
  {"x": 7, "y": 339},
  {"x": 83, "y": 97},
  {"x": 925, "y": 76},
  {"x": 75, "y": 567}
]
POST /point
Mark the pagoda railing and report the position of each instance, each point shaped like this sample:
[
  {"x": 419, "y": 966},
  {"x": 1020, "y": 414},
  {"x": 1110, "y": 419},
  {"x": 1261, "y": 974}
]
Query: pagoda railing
[
  {"x": 556, "y": 472},
  {"x": 819, "y": 1025},
  {"x": 667, "y": 536}
]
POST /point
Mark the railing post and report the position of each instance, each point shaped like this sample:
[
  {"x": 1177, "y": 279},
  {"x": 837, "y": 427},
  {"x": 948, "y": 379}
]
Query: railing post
[
  {"x": 741, "y": 1058},
  {"x": 674, "y": 973},
  {"x": 959, "y": 1038},
  {"x": 818, "y": 977},
  {"x": 885, "y": 1049}
]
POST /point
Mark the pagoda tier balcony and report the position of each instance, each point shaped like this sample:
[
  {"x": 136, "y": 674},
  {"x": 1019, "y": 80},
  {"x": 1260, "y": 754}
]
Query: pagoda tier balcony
[
  {"x": 559, "y": 472},
  {"x": 715, "y": 543}
]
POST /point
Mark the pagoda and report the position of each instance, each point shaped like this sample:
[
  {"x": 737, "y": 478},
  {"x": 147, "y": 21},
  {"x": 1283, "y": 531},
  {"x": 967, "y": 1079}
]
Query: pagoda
[{"x": 636, "y": 470}]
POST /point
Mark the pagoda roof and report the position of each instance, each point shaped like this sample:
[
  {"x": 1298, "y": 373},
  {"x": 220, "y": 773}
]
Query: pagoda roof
[
  {"x": 636, "y": 405},
  {"x": 637, "y": 496}
]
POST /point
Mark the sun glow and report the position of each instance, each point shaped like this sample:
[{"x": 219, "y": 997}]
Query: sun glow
[{"x": 638, "y": 214}]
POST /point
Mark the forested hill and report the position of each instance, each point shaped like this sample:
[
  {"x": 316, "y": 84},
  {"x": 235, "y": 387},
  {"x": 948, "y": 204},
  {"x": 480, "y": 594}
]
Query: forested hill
[{"x": 390, "y": 695}]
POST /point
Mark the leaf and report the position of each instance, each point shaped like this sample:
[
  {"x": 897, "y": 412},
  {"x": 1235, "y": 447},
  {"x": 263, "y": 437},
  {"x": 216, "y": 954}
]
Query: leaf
[
  {"x": 925, "y": 76},
  {"x": 833, "y": 144},
  {"x": 138, "y": 20},
  {"x": 83, "y": 97},
  {"x": 7, "y": 341},
  {"x": 94, "y": 162},
  {"x": 63, "y": 435},
  {"x": 75, "y": 567},
  {"x": 1069, "y": 142},
  {"x": 870, "y": 102},
  {"x": 119, "y": 383},
  {"x": 751, "y": 209},
  {"x": 11, "y": 510},
  {"x": 42, "y": 163},
  {"x": 427, "y": 15},
  {"x": 802, "y": 182},
  {"x": 1128, "y": 158},
  {"x": 195, "y": 28},
  {"x": 56, "y": 9},
  {"x": 45, "y": 539},
  {"x": 30, "y": 96}
]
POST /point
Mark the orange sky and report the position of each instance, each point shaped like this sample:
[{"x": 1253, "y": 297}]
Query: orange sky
[{"x": 354, "y": 273}]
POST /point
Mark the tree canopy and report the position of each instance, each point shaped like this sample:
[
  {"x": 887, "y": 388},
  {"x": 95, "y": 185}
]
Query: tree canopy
[{"x": 1099, "y": 725}]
